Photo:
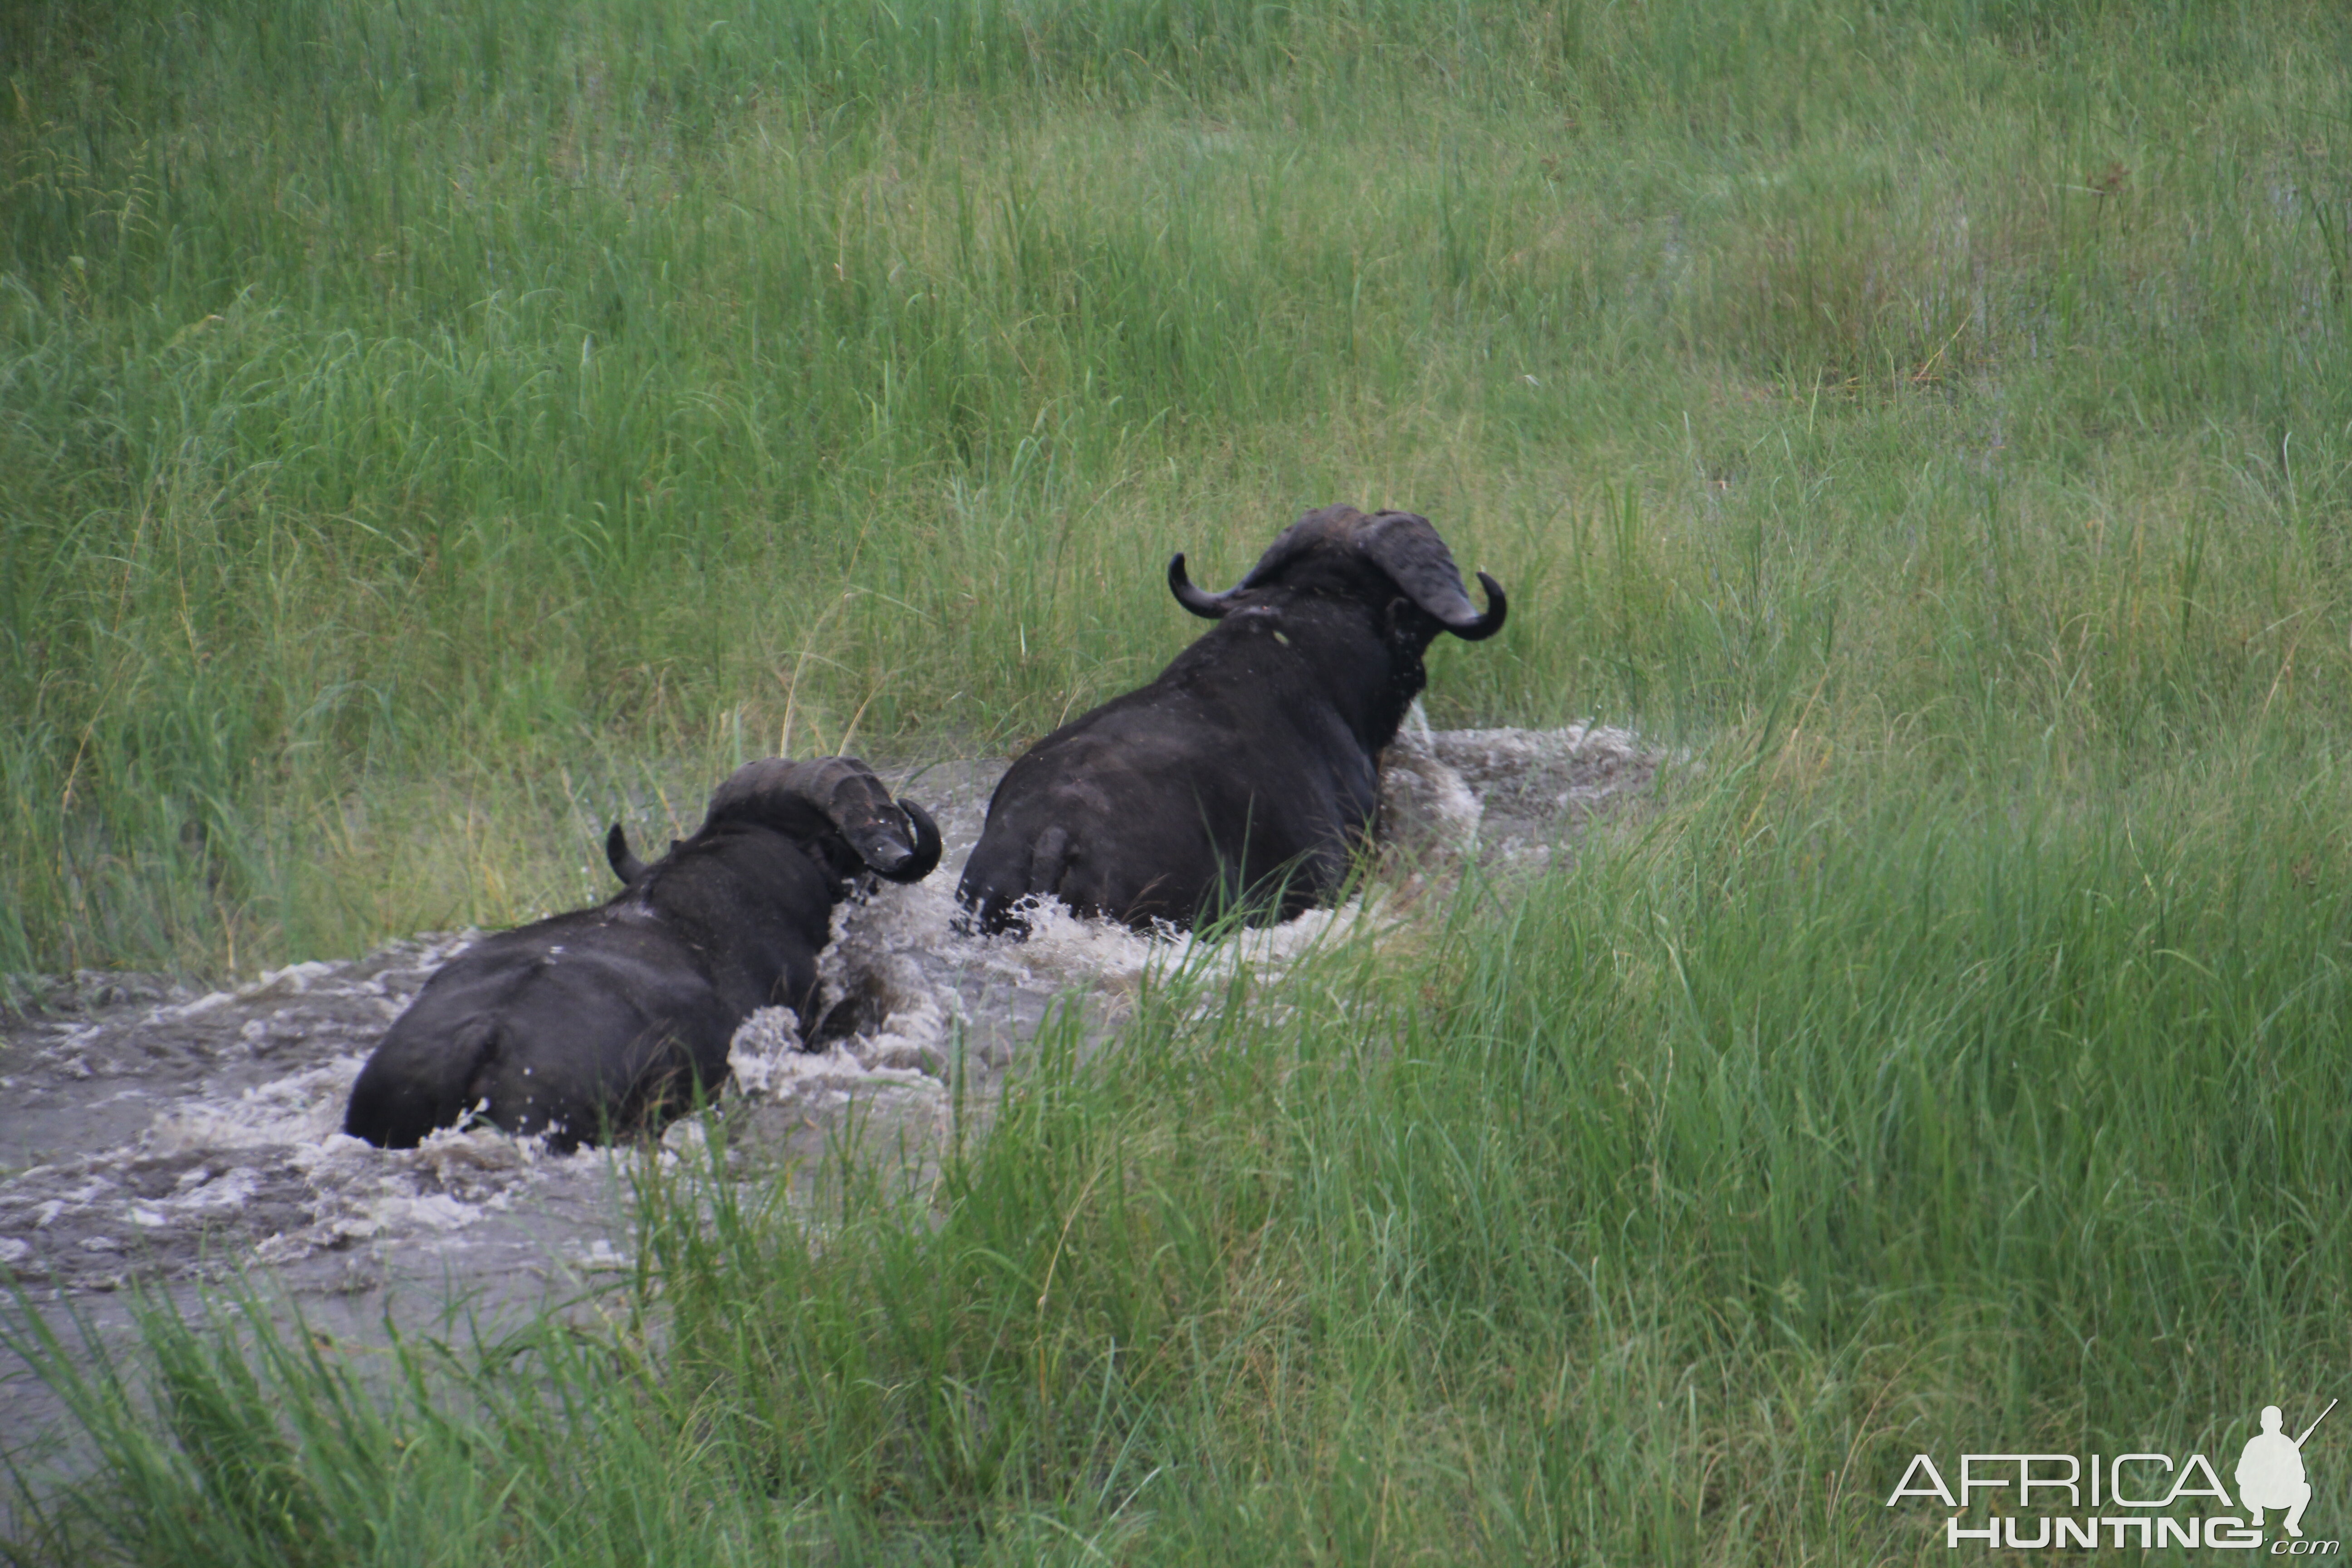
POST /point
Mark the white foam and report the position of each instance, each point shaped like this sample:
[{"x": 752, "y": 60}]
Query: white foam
[
  {"x": 1582, "y": 764},
  {"x": 906, "y": 996},
  {"x": 225, "y": 1192},
  {"x": 763, "y": 1048},
  {"x": 1425, "y": 804},
  {"x": 300, "y": 1108}
]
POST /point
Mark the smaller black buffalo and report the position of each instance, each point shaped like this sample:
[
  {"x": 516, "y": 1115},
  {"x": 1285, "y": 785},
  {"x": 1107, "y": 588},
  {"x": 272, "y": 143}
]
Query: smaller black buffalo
[
  {"x": 1243, "y": 777},
  {"x": 616, "y": 1017}
]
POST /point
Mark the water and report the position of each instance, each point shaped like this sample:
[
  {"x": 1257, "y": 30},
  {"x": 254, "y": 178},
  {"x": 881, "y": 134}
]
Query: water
[{"x": 150, "y": 1134}]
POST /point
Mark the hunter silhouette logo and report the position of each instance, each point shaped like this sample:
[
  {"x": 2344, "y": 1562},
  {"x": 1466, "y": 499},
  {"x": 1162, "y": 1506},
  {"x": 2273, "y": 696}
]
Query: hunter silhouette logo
[
  {"x": 2270, "y": 1472},
  {"x": 2059, "y": 1502}
]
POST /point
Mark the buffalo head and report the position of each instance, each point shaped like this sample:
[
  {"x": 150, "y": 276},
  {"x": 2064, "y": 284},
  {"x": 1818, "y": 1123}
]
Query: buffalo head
[{"x": 1339, "y": 550}]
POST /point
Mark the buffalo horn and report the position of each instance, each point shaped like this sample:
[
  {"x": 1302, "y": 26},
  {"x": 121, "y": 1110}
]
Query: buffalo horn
[
  {"x": 925, "y": 856},
  {"x": 1403, "y": 545},
  {"x": 617, "y": 854},
  {"x": 1309, "y": 530},
  {"x": 845, "y": 795},
  {"x": 1200, "y": 601}
]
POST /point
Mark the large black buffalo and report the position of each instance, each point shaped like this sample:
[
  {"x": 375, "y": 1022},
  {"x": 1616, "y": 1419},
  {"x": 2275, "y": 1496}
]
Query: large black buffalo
[
  {"x": 1241, "y": 778},
  {"x": 616, "y": 1017}
]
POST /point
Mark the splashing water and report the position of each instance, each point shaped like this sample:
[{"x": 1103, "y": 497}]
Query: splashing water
[{"x": 149, "y": 1132}]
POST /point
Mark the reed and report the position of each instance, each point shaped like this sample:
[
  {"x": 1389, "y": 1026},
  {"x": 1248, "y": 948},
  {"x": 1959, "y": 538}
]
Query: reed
[
  {"x": 1660, "y": 1209},
  {"x": 406, "y": 406},
  {"x": 433, "y": 431}
]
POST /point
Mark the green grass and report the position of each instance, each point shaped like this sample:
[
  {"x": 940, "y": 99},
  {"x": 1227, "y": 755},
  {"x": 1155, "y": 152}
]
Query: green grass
[
  {"x": 426, "y": 428},
  {"x": 1658, "y": 1214},
  {"x": 407, "y": 412}
]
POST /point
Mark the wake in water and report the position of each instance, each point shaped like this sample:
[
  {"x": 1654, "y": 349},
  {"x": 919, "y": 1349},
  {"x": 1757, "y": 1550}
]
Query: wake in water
[{"x": 164, "y": 1136}]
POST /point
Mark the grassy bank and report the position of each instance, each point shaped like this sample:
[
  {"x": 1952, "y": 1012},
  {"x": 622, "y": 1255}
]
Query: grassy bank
[
  {"x": 426, "y": 428},
  {"x": 418, "y": 424},
  {"x": 1659, "y": 1214}
]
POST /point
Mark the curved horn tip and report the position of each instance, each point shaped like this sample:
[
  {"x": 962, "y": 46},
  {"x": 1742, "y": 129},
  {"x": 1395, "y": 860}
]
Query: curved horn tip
[
  {"x": 926, "y": 858},
  {"x": 890, "y": 855},
  {"x": 1207, "y": 605},
  {"x": 1497, "y": 608},
  {"x": 617, "y": 855}
]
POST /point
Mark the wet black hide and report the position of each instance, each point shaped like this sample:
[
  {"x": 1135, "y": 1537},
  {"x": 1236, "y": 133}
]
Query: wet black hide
[
  {"x": 615, "y": 1018},
  {"x": 1245, "y": 775}
]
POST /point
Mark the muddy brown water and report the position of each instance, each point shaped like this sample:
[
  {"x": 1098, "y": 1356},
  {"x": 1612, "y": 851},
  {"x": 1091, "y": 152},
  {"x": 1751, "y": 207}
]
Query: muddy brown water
[{"x": 152, "y": 1135}]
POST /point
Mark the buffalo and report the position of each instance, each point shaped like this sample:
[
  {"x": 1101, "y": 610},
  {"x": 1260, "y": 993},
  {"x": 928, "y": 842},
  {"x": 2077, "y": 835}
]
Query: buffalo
[
  {"x": 618, "y": 1017},
  {"x": 1240, "y": 780}
]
